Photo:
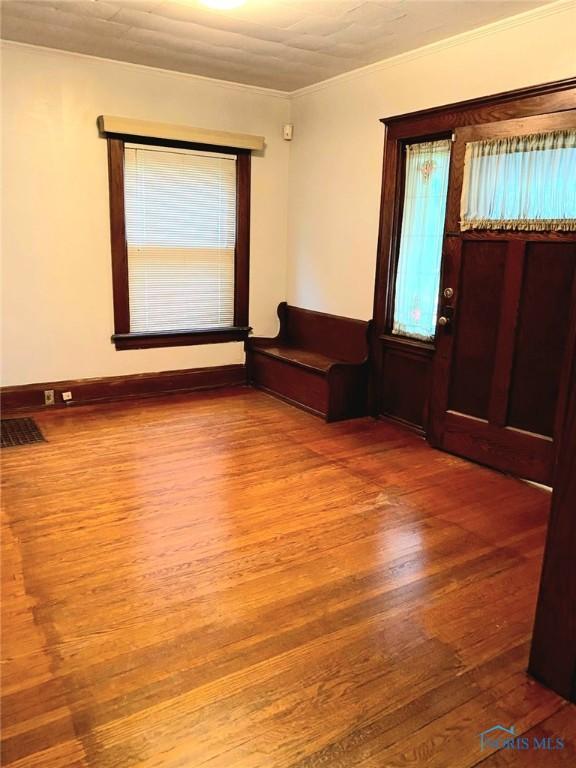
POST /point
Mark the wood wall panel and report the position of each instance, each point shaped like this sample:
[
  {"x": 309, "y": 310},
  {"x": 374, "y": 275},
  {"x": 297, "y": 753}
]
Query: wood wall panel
[
  {"x": 476, "y": 326},
  {"x": 541, "y": 336},
  {"x": 405, "y": 384}
]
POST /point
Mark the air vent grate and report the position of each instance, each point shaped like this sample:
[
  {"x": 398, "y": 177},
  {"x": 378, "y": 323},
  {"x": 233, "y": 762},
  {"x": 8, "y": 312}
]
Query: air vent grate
[{"x": 20, "y": 432}]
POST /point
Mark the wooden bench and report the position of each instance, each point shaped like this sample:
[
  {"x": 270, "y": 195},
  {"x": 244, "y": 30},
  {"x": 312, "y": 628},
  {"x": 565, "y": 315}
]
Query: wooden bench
[{"x": 317, "y": 361}]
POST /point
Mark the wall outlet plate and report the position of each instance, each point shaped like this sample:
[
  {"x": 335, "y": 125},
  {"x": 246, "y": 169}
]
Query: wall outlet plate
[
  {"x": 49, "y": 397},
  {"x": 66, "y": 396}
]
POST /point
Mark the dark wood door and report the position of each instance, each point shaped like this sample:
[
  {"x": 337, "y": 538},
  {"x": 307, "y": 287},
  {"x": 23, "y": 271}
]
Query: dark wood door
[
  {"x": 553, "y": 653},
  {"x": 499, "y": 369}
]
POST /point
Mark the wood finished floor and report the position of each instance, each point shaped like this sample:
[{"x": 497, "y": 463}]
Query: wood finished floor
[{"x": 223, "y": 581}]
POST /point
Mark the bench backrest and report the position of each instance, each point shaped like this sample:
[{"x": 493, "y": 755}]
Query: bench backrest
[{"x": 337, "y": 337}]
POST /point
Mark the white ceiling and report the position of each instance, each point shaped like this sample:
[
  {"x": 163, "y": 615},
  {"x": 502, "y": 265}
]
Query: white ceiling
[{"x": 282, "y": 44}]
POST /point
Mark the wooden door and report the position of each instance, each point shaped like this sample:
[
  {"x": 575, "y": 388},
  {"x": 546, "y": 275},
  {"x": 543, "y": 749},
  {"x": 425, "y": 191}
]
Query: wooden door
[
  {"x": 553, "y": 652},
  {"x": 501, "y": 357}
]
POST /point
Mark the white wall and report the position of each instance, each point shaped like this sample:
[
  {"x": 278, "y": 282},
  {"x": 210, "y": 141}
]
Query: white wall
[
  {"x": 336, "y": 155},
  {"x": 57, "y": 304},
  {"x": 57, "y": 290}
]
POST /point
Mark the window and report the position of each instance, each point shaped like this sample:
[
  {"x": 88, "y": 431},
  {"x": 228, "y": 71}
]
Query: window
[
  {"x": 421, "y": 232},
  {"x": 520, "y": 183},
  {"x": 180, "y": 230},
  {"x": 181, "y": 236}
]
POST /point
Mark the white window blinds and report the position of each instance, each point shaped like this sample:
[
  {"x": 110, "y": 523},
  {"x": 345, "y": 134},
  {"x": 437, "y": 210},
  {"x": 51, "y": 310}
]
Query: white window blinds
[{"x": 181, "y": 234}]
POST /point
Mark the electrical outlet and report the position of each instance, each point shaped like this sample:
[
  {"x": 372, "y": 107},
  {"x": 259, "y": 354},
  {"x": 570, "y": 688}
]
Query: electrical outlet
[
  {"x": 66, "y": 396},
  {"x": 49, "y": 397}
]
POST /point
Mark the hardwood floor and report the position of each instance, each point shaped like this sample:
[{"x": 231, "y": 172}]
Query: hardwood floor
[{"x": 222, "y": 580}]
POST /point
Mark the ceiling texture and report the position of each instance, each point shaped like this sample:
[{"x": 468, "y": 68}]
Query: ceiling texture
[{"x": 280, "y": 44}]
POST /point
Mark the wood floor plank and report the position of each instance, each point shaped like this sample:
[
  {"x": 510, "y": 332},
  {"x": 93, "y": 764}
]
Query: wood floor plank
[{"x": 221, "y": 580}]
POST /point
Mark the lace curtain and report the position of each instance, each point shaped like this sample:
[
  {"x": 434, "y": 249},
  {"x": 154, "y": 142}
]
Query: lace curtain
[
  {"x": 418, "y": 276},
  {"x": 521, "y": 182}
]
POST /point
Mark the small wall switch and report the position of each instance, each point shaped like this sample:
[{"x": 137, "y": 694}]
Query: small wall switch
[
  {"x": 49, "y": 397},
  {"x": 66, "y": 396}
]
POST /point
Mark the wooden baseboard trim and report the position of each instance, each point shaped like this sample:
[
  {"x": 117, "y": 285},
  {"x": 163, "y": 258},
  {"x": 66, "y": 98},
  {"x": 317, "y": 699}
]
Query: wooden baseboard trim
[
  {"x": 416, "y": 428},
  {"x": 105, "y": 390},
  {"x": 289, "y": 400}
]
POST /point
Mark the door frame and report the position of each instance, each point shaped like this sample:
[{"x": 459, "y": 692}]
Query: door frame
[{"x": 392, "y": 395}]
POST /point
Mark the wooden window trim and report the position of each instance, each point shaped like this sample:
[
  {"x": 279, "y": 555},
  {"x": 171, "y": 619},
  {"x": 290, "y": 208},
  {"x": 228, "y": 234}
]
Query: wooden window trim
[
  {"x": 400, "y": 182},
  {"x": 122, "y": 338}
]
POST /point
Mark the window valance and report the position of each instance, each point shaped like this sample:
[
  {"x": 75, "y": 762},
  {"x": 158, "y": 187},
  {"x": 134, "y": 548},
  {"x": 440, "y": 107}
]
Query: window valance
[{"x": 126, "y": 126}]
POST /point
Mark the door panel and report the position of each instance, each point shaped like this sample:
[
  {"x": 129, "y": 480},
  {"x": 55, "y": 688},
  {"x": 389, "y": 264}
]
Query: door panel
[
  {"x": 476, "y": 333},
  {"x": 508, "y": 450},
  {"x": 506, "y": 330},
  {"x": 541, "y": 336}
]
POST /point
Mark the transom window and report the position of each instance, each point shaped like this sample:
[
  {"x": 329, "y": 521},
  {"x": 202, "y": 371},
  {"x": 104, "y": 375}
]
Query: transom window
[{"x": 520, "y": 183}]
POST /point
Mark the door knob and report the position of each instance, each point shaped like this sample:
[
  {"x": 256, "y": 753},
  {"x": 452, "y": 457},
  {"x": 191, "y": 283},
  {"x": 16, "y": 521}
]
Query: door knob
[
  {"x": 448, "y": 293},
  {"x": 445, "y": 318}
]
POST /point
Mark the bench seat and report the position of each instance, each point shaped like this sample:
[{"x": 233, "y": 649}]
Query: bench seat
[
  {"x": 303, "y": 358},
  {"x": 317, "y": 361}
]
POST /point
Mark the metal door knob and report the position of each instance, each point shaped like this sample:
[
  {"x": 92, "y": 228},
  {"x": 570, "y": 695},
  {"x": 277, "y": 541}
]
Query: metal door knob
[{"x": 443, "y": 320}]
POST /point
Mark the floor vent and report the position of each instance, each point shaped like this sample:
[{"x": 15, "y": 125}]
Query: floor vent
[{"x": 20, "y": 432}]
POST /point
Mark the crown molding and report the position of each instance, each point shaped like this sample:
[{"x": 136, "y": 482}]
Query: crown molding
[
  {"x": 227, "y": 84},
  {"x": 528, "y": 17}
]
